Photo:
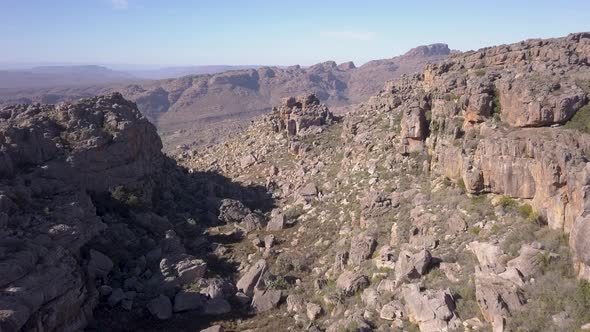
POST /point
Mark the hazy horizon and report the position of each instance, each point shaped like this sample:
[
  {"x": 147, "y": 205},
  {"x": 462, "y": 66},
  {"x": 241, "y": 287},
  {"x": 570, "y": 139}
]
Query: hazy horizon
[{"x": 185, "y": 33}]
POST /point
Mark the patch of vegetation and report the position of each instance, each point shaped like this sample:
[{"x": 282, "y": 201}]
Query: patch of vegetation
[
  {"x": 467, "y": 304},
  {"x": 554, "y": 292},
  {"x": 527, "y": 212},
  {"x": 461, "y": 185},
  {"x": 475, "y": 230},
  {"x": 294, "y": 212},
  {"x": 580, "y": 121},
  {"x": 450, "y": 97},
  {"x": 278, "y": 283},
  {"x": 126, "y": 197},
  {"x": 584, "y": 85},
  {"x": 496, "y": 106},
  {"x": 507, "y": 202}
]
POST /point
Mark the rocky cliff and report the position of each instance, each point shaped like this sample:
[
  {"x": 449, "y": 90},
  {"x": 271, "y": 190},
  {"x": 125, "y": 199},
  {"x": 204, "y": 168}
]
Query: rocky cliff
[{"x": 493, "y": 119}]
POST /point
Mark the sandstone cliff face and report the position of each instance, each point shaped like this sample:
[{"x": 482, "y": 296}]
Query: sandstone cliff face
[
  {"x": 484, "y": 117},
  {"x": 52, "y": 158}
]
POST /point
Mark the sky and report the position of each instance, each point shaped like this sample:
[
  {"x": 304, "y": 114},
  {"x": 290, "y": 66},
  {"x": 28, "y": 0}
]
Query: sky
[{"x": 264, "y": 32}]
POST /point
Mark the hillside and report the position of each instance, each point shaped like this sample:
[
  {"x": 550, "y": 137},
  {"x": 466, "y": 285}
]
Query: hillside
[
  {"x": 455, "y": 199},
  {"x": 204, "y": 109}
]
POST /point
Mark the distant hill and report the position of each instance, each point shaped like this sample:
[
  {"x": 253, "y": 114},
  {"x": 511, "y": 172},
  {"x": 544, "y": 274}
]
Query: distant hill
[
  {"x": 173, "y": 72},
  {"x": 202, "y": 109},
  {"x": 51, "y": 76}
]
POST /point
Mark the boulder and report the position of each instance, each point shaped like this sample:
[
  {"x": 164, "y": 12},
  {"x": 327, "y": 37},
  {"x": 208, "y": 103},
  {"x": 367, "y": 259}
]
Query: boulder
[
  {"x": 309, "y": 191},
  {"x": 529, "y": 261},
  {"x": 252, "y": 222},
  {"x": 160, "y": 307},
  {"x": 295, "y": 303},
  {"x": 100, "y": 264},
  {"x": 361, "y": 248},
  {"x": 497, "y": 297},
  {"x": 247, "y": 161},
  {"x": 313, "y": 311},
  {"x": 350, "y": 282},
  {"x": 232, "y": 211},
  {"x": 249, "y": 281},
  {"x": 490, "y": 256},
  {"x": 217, "y": 307},
  {"x": 187, "y": 299},
  {"x": 117, "y": 295},
  {"x": 214, "y": 328},
  {"x": 277, "y": 222},
  {"x": 432, "y": 310},
  {"x": 265, "y": 300},
  {"x": 392, "y": 310},
  {"x": 411, "y": 265},
  {"x": 190, "y": 270}
]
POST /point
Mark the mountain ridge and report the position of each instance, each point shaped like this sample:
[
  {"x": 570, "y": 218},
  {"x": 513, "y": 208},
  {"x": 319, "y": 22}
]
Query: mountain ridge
[{"x": 177, "y": 106}]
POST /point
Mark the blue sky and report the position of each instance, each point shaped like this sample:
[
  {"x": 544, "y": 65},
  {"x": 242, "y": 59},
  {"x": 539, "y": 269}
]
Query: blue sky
[{"x": 279, "y": 32}]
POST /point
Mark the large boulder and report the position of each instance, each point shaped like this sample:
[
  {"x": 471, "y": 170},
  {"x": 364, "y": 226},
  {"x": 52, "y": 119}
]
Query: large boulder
[
  {"x": 265, "y": 300},
  {"x": 189, "y": 300},
  {"x": 250, "y": 280},
  {"x": 361, "y": 248},
  {"x": 99, "y": 264},
  {"x": 232, "y": 211},
  {"x": 497, "y": 298},
  {"x": 432, "y": 310},
  {"x": 160, "y": 307},
  {"x": 351, "y": 282},
  {"x": 411, "y": 265}
]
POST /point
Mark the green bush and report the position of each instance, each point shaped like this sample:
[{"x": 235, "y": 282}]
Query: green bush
[
  {"x": 507, "y": 202},
  {"x": 580, "y": 121},
  {"x": 480, "y": 72},
  {"x": 527, "y": 212},
  {"x": 496, "y": 106},
  {"x": 294, "y": 212},
  {"x": 461, "y": 185},
  {"x": 126, "y": 197}
]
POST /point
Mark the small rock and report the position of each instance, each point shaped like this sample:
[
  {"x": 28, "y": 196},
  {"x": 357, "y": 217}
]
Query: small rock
[
  {"x": 313, "y": 311},
  {"x": 277, "y": 223},
  {"x": 116, "y": 296},
  {"x": 214, "y": 328},
  {"x": 392, "y": 311}
]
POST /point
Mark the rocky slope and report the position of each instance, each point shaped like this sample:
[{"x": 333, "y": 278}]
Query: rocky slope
[
  {"x": 201, "y": 109},
  {"x": 455, "y": 199},
  {"x": 95, "y": 218}
]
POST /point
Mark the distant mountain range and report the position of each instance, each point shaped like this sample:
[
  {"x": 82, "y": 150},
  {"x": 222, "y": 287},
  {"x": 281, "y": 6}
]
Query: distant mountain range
[
  {"x": 204, "y": 108},
  {"x": 51, "y": 76}
]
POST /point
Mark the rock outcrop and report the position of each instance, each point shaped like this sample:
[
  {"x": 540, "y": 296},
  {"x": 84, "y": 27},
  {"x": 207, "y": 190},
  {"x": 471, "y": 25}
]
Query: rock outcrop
[
  {"x": 53, "y": 159},
  {"x": 93, "y": 214},
  {"x": 492, "y": 118}
]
